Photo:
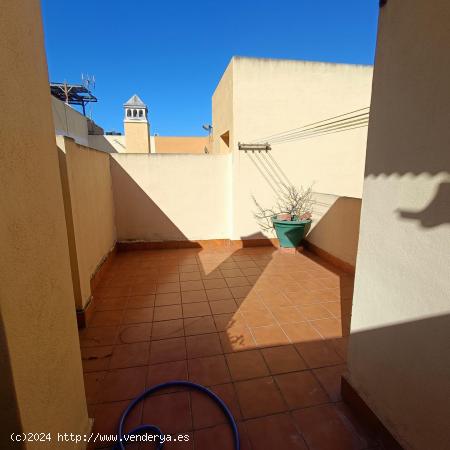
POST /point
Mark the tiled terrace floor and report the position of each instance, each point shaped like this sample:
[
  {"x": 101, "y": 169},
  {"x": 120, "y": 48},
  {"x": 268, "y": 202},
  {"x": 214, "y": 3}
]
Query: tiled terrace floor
[{"x": 263, "y": 329}]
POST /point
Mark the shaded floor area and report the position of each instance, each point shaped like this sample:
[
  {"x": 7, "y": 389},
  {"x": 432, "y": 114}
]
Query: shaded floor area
[{"x": 264, "y": 330}]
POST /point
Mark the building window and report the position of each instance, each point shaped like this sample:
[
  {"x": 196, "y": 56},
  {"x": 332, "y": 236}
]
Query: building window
[{"x": 128, "y": 112}]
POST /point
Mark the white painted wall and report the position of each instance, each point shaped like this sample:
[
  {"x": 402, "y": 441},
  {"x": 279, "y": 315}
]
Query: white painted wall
[
  {"x": 171, "y": 196},
  {"x": 400, "y": 330}
]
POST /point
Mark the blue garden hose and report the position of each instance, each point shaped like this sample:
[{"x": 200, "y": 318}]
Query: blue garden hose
[{"x": 122, "y": 437}]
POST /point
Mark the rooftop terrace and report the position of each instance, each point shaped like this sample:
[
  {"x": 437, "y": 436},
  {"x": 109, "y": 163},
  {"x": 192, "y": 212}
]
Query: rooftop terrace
[{"x": 265, "y": 330}]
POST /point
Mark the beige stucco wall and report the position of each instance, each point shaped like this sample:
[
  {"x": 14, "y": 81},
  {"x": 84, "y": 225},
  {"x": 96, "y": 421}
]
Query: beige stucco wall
[
  {"x": 137, "y": 138},
  {"x": 259, "y": 97},
  {"x": 171, "y": 197},
  {"x": 399, "y": 347},
  {"x": 336, "y": 226},
  {"x": 42, "y": 385},
  {"x": 88, "y": 195},
  {"x": 222, "y": 110},
  {"x": 69, "y": 122},
  {"x": 182, "y": 144},
  {"x": 108, "y": 143}
]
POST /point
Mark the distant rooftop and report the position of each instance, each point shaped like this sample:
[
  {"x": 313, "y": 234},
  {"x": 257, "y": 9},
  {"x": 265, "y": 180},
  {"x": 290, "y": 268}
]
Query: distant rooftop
[
  {"x": 73, "y": 94},
  {"x": 135, "y": 101}
]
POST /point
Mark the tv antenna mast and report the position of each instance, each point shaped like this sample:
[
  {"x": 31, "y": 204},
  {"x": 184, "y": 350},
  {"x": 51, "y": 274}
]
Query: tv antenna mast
[{"x": 88, "y": 81}]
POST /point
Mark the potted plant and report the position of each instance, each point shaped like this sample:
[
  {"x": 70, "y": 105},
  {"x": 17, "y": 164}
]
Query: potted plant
[{"x": 290, "y": 217}]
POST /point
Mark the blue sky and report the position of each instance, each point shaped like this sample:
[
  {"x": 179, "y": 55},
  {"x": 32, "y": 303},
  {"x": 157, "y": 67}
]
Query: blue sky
[{"x": 173, "y": 53}]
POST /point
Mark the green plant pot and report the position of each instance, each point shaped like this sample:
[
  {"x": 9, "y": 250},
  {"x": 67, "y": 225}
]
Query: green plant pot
[{"x": 290, "y": 233}]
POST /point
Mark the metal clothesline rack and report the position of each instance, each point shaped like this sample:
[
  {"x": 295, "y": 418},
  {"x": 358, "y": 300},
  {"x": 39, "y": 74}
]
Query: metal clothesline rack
[{"x": 254, "y": 147}]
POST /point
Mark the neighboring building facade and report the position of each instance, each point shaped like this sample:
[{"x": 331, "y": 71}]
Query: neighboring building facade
[{"x": 136, "y": 138}]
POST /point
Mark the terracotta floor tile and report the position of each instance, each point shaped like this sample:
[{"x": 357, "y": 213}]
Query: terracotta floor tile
[
  {"x": 247, "y": 364},
  {"x": 138, "y": 315},
  {"x": 196, "y": 309},
  {"x": 237, "y": 338},
  {"x": 228, "y": 265},
  {"x": 246, "y": 264},
  {"x": 141, "y": 301},
  {"x": 97, "y": 336},
  {"x": 107, "y": 416},
  {"x": 169, "y": 312},
  {"x": 170, "y": 412},
  {"x": 199, "y": 325},
  {"x": 328, "y": 328},
  {"x": 330, "y": 379},
  {"x": 111, "y": 291},
  {"x": 167, "y": 350},
  {"x": 106, "y": 318},
  {"x": 129, "y": 334},
  {"x": 269, "y": 336},
  {"x": 123, "y": 384},
  {"x": 283, "y": 359},
  {"x": 193, "y": 296},
  {"x": 170, "y": 298},
  {"x": 110, "y": 304},
  {"x": 315, "y": 311},
  {"x": 161, "y": 373},
  {"x": 215, "y": 283},
  {"x": 340, "y": 345},
  {"x": 251, "y": 271},
  {"x": 188, "y": 268},
  {"x": 164, "y": 288},
  {"x": 326, "y": 295},
  {"x": 168, "y": 278},
  {"x": 203, "y": 345},
  {"x": 223, "y": 306},
  {"x": 208, "y": 370},
  {"x": 96, "y": 359},
  {"x": 142, "y": 289},
  {"x": 193, "y": 285},
  {"x": 326, "y": 428},
  {"x": 240, "y": 291},
  {"x": 287, "y": 314},
  {"x": 92, "y": 385},
  {"x": 218, "y": 294},
  {"x": 168, "y": 329},
  {"x": 274, "y": 300},
  {"x": 211, "y": 274},
  {"x": 301, "y": 332},
  {"x": 207, "y": 413},
  {"x": 301, "y": 298},
  {"x": 230, "y": 273},
  {"x": 236, "y": 281},
  {"x": 190, "y": 276},
  {"x": 301, "y": 389},
  {"x": 219, "y": 437},
  {"x": 225, "y": 321},
  {"x": 278, "y": 431},
  {"x": 318, "y": 354},
  {"x": 334, "y": 308},
  {"x": 130, "y": 355},
  {"x": 258, "y": 317},
  {"x": 251, "y": 303},
  {"x": 259, "y": 397}
]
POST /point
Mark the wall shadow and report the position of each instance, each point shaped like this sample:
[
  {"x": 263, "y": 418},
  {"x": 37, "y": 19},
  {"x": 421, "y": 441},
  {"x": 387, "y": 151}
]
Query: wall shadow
[
  {"x": 436, "y": 213},
  {"x": 133, "y": 205},
  {"x": 288, "y": 314}
]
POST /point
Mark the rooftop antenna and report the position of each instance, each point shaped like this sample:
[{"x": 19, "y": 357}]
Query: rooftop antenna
[
  {"x": 88, "y": 81},
  {"x": 208, "y": 128}
]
